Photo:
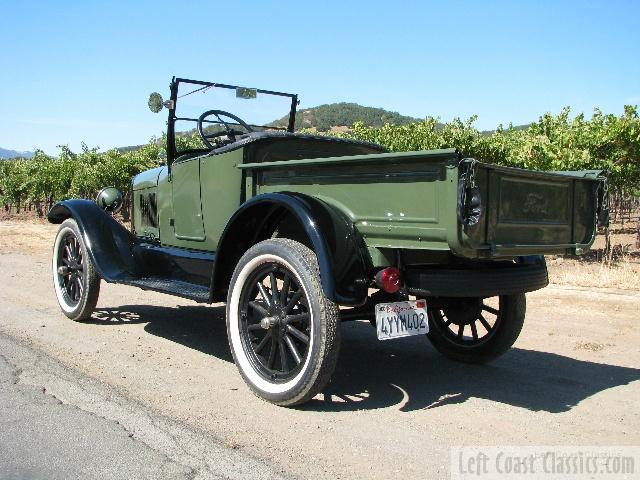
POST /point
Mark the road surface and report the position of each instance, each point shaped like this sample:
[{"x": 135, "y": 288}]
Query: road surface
[{"x": 393, "y": 409}]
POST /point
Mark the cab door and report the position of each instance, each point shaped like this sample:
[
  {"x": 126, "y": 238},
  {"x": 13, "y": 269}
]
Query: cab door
[{"x": 187, "y": 205}]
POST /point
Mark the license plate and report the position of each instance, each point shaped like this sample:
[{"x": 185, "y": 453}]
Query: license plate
[{"x": 401, "y": 319}]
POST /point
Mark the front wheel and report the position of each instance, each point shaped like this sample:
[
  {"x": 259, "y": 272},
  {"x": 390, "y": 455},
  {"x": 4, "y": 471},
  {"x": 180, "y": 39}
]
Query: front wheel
[
  {"x": 283, "y": 332},
  {"x": 75, "y": 280},
  {"x": 476, "y": 330}
]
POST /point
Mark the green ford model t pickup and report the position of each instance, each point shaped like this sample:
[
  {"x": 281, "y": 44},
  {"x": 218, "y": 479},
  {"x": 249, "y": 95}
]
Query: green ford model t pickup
[{"x": 297, "y": 233}]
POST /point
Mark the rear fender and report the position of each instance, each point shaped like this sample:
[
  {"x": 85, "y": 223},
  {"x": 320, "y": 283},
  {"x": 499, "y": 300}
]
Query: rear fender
[
  {"x": 331, "y": 234},
  {"x": 110, "y": 244}
]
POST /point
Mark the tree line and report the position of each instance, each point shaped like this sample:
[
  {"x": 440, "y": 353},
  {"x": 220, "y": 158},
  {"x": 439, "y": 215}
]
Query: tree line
[{"x": 555, "y": 142}]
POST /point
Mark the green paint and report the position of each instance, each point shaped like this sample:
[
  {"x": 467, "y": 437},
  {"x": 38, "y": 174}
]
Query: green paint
[{"x": 395, "y": 200}]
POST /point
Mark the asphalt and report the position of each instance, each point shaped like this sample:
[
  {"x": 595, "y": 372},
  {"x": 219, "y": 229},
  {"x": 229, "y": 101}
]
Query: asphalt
[
  {"x": 161, "y": 367},
  {"x": 97, "y": 433}
]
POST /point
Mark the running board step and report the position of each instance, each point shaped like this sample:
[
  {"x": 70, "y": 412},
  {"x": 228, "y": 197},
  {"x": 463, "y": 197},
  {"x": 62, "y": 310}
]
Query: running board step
[{"x": 179, "y": 288}]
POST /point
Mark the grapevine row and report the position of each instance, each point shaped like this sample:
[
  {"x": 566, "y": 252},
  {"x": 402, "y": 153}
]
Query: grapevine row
[{"x": 555, "y": 142}]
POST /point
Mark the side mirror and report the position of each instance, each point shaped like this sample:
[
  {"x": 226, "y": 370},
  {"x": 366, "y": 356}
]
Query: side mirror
[
  {"x": 155, "y": 102},
  {"x": 110, "y": 199}
]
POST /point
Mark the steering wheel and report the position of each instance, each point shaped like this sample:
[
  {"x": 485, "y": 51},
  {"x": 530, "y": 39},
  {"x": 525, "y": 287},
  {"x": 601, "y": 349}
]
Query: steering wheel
[{"x": 228, "y": 131}]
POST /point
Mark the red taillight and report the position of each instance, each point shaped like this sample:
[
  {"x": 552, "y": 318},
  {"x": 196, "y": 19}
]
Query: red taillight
[{"x": 389, "y": 279}]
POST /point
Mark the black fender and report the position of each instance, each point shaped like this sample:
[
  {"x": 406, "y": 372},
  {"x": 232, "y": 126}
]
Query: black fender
[
  {"x": 339, "y": 247},
  {"x": 110, "y": 244}
]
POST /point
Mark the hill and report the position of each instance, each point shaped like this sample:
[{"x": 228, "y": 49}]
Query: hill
[
  {"x": 6, "y": 154},
  {"x": 324, "y": 117},
  {"x": 130, "y": 148}
]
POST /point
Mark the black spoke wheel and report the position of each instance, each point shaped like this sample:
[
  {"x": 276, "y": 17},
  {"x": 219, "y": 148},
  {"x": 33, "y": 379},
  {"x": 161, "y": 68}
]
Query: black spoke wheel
[
  {"x": 71, "y": 269},
  {"x": 76, "y": 282},
  {"x": 283, "y": 331},
  {"x": 275, "y": 322},
  {"x": 476, "y": 330}
]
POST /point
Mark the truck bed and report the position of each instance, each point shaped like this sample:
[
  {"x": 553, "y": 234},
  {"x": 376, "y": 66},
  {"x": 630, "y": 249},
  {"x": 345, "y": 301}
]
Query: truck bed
[{"x": 438, "y": 200}]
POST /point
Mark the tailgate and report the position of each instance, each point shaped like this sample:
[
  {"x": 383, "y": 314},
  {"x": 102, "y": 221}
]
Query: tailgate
[{"x": 510, "y": 211}]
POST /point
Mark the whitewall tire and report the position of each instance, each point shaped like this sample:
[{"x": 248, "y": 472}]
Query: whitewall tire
[
  {"x": 75, "y": 280},
  {"x": 284, "y": 333}
]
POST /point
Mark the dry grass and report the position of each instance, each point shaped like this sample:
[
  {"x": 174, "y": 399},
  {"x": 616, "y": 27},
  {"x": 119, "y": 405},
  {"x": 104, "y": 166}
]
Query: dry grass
[
  {"x": 26, "y": 236},
  {"x": 621, "y": 270},
  {"x": 623, "y": 274}
]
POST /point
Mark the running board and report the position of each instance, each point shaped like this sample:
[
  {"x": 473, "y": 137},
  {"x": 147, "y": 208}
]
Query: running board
[{"x": 178, "y": 288}]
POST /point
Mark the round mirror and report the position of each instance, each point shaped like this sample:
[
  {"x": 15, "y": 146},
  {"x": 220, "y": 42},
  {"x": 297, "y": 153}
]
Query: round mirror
[
  {"x": 155, "y": 102},
  {"x": 110, "y": 199}
]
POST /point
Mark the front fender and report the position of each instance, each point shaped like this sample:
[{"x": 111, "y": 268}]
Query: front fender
[
  {"x": 110, "y": 244},
  {"x": 337, "y": 244}
]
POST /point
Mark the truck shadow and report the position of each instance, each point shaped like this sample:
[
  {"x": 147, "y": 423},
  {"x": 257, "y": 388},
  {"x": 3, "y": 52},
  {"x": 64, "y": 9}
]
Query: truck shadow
[
  {"x": 407, "y": 373},
  {"x": 198, "y": 327}
]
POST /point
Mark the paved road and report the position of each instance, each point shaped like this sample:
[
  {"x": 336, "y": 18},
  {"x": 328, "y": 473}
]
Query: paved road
[
  {"x": 393, "y": 410},
  {"x": 43, "y": 438}
]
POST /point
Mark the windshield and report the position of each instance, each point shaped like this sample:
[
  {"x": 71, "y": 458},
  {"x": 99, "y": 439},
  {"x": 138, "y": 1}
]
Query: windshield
[{"x": 258, "y": 109}]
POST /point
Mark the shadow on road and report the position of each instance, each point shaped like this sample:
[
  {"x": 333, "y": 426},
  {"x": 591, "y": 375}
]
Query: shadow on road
[
  {"x": 198, "y": 327},
  {"x": 411, "y": 374},
  {"x": 405, "y": 372}
]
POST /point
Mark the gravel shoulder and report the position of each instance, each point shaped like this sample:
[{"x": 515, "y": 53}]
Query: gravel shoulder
[{"x": 394, "y": 408}]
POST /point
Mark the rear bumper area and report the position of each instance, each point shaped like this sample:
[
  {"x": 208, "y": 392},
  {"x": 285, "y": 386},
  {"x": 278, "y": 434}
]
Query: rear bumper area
[{"x": 500, "y": 280}]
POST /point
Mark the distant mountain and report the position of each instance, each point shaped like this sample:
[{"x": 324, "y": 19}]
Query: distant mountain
[
  {"x": 6, "y": 154},
  {"x": 334, "y": 115},
  {"x": 131, "y": 148}
]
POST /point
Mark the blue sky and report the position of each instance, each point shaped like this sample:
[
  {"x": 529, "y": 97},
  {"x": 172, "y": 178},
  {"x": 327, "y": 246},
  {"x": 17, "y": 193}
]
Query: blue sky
[{"x": 82, "y": 71}]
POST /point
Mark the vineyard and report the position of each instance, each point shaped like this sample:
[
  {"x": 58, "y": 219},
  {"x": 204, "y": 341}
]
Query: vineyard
[
  {"x": 37, "y": 183},
  {"x": 555, "y": 142}
]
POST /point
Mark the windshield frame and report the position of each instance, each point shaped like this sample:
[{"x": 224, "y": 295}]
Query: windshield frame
[{"x": 173, "y": 101}]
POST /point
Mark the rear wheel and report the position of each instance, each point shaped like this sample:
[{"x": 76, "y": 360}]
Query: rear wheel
[
  {"x": 476, "y": 330},
  {"x": 283, "y": 332},
  {"x": 75, "y": 280}
]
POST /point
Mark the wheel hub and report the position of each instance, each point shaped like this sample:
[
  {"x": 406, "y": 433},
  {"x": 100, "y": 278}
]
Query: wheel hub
[
  {"x": 276, "y": 322},
  {"x": 464, "y": 312},
  {"x": 269, "y": 322}
]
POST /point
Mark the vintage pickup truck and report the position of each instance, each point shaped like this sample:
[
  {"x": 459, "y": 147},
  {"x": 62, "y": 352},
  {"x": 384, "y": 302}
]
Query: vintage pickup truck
[{"x": 297, "y": 233}]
